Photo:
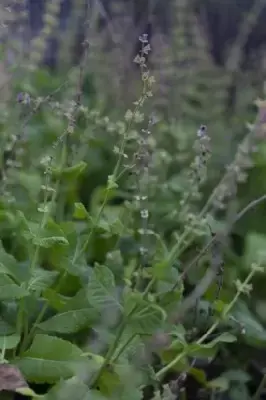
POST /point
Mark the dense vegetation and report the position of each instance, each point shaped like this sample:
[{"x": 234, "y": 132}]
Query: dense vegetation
[{"x": 132, "y": 240}]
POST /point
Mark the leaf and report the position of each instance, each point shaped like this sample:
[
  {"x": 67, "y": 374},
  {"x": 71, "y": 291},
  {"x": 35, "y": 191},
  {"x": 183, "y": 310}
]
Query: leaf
[
  {"x": 6, "y": 328},
  {"x": 42, "y": 279},
  {"x": 49, "y": 241},
  {"x": 255, "y": 248},
  {"x": 50, "y": 359},
  {"x": 128, "y": 385},
  {"x": 55, "y": 299},
  {"x": 220, "y": 383},
  {"x": 70, "y": 172},
  {"x": 9, "y": 265},
  {"x": 199, "y": 375},
  {"x": 255, "y": 334},
  {"x": 11, "y": 378},
  {"x": 9, "y": 342},
  {"x": 144, "y": 317},
  {"x": 101, "y": 290},
  {"x": 28, "y": 392},
  {"x": 236, "y": 375},
  {"x": 70, "y": 321},
  {"x": 9, "y": 290},
  {"x": 46, "y": 237},
  {"x": 80, "y": 211},
  {"x": 72, "y": 389},
  {"x": 225, "y": 337},
  {"x": 209, "y": 350}
]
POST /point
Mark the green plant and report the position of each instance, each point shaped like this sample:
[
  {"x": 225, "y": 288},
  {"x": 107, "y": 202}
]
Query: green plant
[{"x": 101, "y": 222}]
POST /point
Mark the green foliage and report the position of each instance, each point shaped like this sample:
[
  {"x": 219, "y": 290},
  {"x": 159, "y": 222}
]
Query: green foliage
[{"x": 107, "y": 222}]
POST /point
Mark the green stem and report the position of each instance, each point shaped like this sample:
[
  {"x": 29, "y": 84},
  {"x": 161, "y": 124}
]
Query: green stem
[
  {"x": 123, "y": 348},
  {"x": 35, "y": 258},
  {"x": 110, "y": 353},
  {"x": 160, "y": 374},
  {"x": 260, "y": 388}
]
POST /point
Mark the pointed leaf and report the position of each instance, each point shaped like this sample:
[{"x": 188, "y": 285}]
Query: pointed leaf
[
  {"x": 80, "y": 211},
  {"x": 70, "y": 321},
  {"x": 70, "y": 172},
  {"x": 101, "y": 290},
  {"x": 50, "y": 359}
]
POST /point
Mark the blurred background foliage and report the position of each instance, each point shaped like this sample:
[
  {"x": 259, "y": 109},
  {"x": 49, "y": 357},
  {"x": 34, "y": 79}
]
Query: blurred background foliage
[{"x": 208, "y": 59}]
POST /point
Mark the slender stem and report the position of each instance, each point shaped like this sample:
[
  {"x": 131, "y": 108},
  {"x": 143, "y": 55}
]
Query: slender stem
[
  {"x": 109, "y": 354},
  {"x": 203, "y": 338},
  {"x": 123, "y": 348},
  {"x": 260, "y": 388}
]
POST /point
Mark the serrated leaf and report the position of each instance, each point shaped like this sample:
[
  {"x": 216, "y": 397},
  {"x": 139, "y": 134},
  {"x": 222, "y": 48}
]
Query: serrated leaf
[
  {"x": 72, "y": 389},
  {"x": 50, "y": 359},
  {"x": 101, "y": 290},
  {"x": 70, "y": 321},
  {"x": 49, "y": 241},
  {"x": 9, "y": 290},
  {"x": 9, "y": 342}
]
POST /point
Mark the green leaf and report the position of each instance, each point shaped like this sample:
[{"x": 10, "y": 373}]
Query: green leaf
[
  {"x": 42, "y": 279},
  {"x": 220, "y": 383},
  {"x": 209, "y": 349},
  {"x": 55, "y": 299},
  {"x": 236, "y": 375},
  {"x": 70, "y": 321},
  {"x": 72, "y": 389},
  {"x": 28, "y": 392},
  {"x": 70, "y": 173},
  {"x": 47, "y": 237},
  {"x": 49, "y": 241},
  {"x": 255, "y": 248},
  {"x": 10, "y": 266},
  {"x": 199, "y": 375},
  {"x": 144, "y": 317},
  {"x": 9, "y": 342},
  {"x": 9, "y": 290},
  {"x": 6, "y": 328},
  {"x": 80, "y": 211},
  {"x": 128, "y": 386},
  {"x": 50, "y": 359},
  {"x": 101, "y": 289},
  {"x": 225, "y": 337},
  {"x": 255, "y": 334}
]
